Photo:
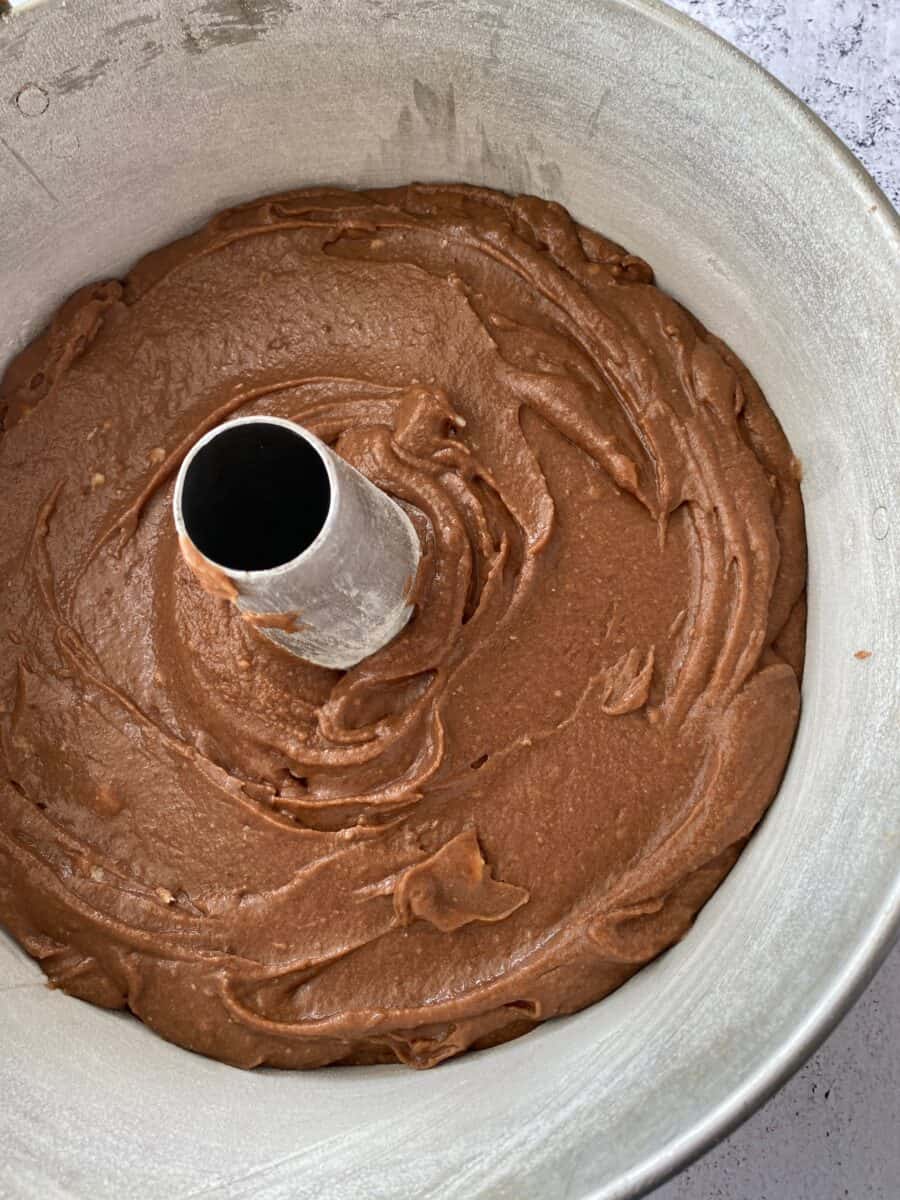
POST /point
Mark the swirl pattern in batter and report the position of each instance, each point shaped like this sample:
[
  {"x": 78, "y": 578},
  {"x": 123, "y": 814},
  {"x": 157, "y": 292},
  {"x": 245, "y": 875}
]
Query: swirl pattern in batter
[{"x": 526, "y": 795}]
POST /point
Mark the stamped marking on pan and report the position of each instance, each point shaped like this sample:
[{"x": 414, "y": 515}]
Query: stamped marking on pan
[
  {"x": 64, "y": 144},
  {"x": 881, "y": 523},
  {"x": 593, "y": 125},
  {"x": 32, "y": 100}
]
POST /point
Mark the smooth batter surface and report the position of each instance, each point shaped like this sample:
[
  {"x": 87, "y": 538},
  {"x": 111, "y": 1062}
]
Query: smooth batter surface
[{"x": 530, "y": 792}]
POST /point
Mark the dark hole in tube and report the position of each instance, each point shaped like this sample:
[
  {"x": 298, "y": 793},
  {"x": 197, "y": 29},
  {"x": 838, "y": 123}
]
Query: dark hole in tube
[{"x": 255, "y": 497}]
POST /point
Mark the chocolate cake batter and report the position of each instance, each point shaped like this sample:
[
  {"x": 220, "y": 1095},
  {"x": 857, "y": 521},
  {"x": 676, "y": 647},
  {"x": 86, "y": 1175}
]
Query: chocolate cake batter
[{"x": 529, "y": 792}]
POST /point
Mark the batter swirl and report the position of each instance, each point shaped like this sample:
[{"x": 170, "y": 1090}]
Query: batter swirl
[{"x": 526, "y": 795}]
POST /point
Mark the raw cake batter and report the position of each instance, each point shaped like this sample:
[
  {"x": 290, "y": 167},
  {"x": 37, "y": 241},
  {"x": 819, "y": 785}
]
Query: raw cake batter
[{"x": 526, "y": 795}]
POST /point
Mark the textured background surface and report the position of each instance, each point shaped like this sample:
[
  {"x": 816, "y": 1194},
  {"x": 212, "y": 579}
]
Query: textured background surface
[
  {"x": 832, "y": 1132},
  {"x": 841, "y": 56}
]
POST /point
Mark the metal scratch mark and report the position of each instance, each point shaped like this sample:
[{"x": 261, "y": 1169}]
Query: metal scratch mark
[
  {"x": 150, "y": 51},
  {"x": 77, "y": 78},
  {"x": 29, "y": 170},
  {"x": 134, "y": 23},
  {"x": 218, "y": 23}
]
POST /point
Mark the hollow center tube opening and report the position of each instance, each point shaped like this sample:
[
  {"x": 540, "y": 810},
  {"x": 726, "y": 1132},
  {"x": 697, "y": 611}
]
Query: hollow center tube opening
[{"x": 255, "y": 497}]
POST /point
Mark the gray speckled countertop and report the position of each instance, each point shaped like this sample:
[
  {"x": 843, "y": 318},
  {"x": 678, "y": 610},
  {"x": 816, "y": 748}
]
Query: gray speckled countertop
[
  {"x": 841, "y": 56},
  {"x": 833, "y": 1132}
]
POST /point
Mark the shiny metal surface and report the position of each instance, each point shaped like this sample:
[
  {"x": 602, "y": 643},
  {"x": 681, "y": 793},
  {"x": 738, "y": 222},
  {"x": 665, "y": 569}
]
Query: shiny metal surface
[{"x": 123, "y": 124}]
